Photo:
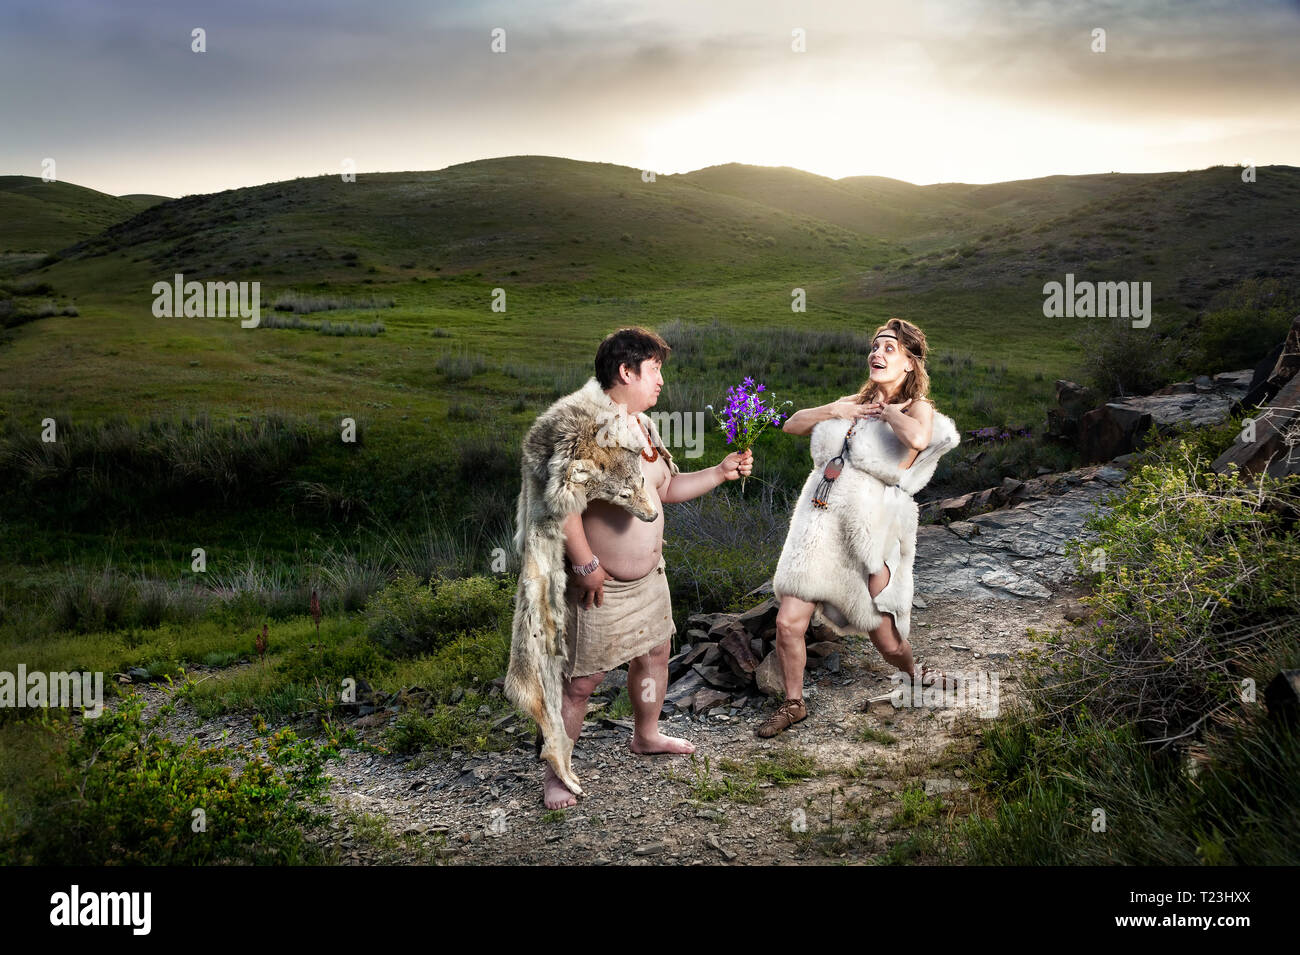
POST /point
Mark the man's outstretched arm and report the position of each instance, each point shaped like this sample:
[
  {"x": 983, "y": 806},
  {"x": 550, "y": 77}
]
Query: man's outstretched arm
[{"x": 684, "y": 487}]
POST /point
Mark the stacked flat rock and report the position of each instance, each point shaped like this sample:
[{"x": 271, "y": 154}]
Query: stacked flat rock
[{"x": 728, "y": 659}]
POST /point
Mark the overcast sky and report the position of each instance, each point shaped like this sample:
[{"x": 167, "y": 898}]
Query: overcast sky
[{"x": 921, "y": 90}]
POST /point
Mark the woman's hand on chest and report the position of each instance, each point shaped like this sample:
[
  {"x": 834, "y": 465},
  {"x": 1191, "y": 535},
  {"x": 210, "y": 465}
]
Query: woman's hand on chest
[{"x": 912, "y": 421}]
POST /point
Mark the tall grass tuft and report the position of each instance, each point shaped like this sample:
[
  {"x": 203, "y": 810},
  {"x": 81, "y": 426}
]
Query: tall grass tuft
[
  {"x": 337, "y": 329},
  {"x": 301, "y": 303},
  {"x": 108, "y": 463},
  {"x": 350, "y": 579},
  {"x": 461, "y": 365},
  {"x": 86, "y": 601}
]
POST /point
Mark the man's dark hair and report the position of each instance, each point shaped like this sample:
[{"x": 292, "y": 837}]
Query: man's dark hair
[{"x": 627, "y": 346}]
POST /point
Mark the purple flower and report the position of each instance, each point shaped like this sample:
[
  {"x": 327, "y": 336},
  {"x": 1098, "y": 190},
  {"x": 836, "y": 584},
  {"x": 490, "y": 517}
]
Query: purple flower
[{"x": 745, "y": 414}]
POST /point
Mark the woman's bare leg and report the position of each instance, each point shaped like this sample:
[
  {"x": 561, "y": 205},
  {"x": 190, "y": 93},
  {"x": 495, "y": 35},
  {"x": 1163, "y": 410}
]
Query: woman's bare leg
[
  {"x": 892, "y": 647},
  {"x": 792, "y": 619}
]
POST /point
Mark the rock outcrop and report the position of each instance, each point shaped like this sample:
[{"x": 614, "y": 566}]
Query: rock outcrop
[
  {"x": 1120, "y": 426},
  {"x": 1273, "y": 373},
  {"x": 1073, "y": 401},
  {"x": 1272, "y": 445}
]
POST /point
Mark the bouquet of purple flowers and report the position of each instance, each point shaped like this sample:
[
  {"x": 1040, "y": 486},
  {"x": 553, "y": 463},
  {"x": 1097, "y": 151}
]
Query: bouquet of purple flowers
[{"x": 745, "y": 416}]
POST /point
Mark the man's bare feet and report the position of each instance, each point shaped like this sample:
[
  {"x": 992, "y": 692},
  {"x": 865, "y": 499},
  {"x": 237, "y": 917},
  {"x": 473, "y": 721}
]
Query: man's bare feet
[
  {"x": 555, "y": 794},
  {"x": 659, "y": 743}
]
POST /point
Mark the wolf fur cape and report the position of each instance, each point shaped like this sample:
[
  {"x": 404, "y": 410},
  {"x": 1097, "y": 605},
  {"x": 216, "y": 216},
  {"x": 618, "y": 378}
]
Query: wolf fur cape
[
  {"x": 578, "y": 450},
  {"x": 869, "y": 522}
]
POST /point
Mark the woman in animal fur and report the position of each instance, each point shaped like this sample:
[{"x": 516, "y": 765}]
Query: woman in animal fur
[{"x": 852, "y": 538}]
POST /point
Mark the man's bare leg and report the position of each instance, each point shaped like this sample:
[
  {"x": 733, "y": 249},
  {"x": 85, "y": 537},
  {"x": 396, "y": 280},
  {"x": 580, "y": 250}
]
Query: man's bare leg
[
  {"x": 573, "y": 709},
  {"x": 886, "y": 638},
  {"x": 647, "y": 681}
]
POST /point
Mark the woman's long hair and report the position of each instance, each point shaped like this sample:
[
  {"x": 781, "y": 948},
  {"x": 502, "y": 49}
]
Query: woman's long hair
[{"x": 916, "y": 383}]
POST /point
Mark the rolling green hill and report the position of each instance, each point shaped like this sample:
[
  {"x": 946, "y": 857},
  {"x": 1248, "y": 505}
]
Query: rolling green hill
[
  {"x": 845, "y": 203},
  {"x": 527, "y": 219},
  {"x": 946, "y": 212},
  {"x": 534, "y": 221},
  {"x": 38, "y": 216},
  {"x": 143, "y": 200},
  {"x": 1190, "y": 234},
  {"x": 921, "y": 216}
]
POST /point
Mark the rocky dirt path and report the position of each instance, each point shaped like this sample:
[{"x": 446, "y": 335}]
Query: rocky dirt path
[
  {"x": 830, "y": 789},
  {"x": 668, "y": 809}
]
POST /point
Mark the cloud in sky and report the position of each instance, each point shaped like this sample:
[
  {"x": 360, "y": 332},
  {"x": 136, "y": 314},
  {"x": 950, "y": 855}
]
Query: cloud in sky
[{"x": 937, "y": 90}]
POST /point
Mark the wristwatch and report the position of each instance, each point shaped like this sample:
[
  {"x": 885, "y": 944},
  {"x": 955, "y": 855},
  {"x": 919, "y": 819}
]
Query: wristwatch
[{"x": 588, "y": 568}]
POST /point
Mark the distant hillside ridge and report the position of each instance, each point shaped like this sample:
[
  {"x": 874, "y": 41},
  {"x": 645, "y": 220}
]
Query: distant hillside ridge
[
  {"x": 1191, "y": 234},
  {"x": 39, "y": 216},
  {"x": 543, "y": 220}
]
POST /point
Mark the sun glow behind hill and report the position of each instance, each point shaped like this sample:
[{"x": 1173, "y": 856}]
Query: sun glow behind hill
[{"x": 923, "y": 136}]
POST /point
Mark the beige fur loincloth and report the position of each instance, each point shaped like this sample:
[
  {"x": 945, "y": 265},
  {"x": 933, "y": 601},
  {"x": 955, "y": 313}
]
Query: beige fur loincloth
[{"x": 634, "y": 617}]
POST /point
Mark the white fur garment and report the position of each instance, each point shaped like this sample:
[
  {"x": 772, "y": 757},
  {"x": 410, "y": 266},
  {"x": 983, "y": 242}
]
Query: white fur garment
[{"x": 869, "y": 522}]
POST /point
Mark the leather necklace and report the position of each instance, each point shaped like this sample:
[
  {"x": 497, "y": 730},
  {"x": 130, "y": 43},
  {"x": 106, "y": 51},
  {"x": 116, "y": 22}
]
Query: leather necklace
[{"x": 834, "y": 467}]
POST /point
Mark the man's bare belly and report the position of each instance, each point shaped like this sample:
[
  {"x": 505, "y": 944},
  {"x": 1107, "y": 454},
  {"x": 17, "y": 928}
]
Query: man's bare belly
[{"x": 627, "y": 546}]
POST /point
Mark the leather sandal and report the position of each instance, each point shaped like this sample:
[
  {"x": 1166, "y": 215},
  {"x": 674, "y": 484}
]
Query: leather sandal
[
  {"x": 930, "y": 677},
  {"x": 786, "y": 715}
]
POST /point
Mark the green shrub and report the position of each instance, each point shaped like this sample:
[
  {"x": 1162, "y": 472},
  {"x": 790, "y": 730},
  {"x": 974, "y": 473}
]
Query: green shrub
[
  {"x": 1187, "y": 564},
  {"x": 469, "y": 603},
  {"x": 409, "y": 617},
  {"x": 466, "y": 663},
  {"x": 916, "y": 807},
  {"x": 1245, "y": 322},
  {"x": 448, "y": 727},
  {"x": 126, "y": 795},
  {"x": 329, "y": 665},
  {"x": 1234, "y": 338},
  {"x": 1119, "y": 359}
]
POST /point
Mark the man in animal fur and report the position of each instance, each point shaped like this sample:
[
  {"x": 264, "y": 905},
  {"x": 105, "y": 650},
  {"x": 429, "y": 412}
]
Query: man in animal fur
[{"x": 618, "y": 602}]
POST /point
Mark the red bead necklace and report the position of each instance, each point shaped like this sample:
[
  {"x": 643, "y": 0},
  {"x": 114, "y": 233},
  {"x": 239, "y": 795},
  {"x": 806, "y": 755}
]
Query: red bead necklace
[{"x": 654, "y": 455}]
